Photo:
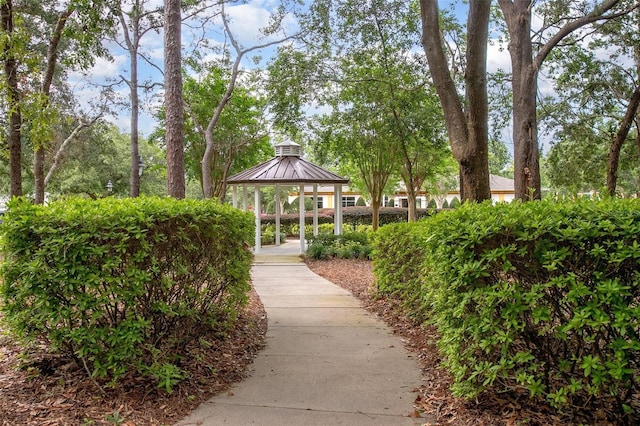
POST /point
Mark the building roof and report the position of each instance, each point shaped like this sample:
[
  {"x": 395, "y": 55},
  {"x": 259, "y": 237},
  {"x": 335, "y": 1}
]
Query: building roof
[
  {"x": 287, "y": 167},
  {"x": 501, "y": 184}
]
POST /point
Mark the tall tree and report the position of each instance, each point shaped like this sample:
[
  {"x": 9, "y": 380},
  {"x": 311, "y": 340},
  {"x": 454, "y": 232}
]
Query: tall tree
[
  {"x": 597, "y": 98},
  {"x": 173, "y": 99},
  {"x": 136, "y": 21},
  {"x": 240, "y": 135},
  {"x": 10, "y": 43},
  {"x": 358, "y": 139},
  {"x": 364, "y": 67},
  {"x": 236, "y": 49},
  {"x": 62, "y": 36},
  {"x": 563, "y": 19},
  {"x": 467, "y": 124}
]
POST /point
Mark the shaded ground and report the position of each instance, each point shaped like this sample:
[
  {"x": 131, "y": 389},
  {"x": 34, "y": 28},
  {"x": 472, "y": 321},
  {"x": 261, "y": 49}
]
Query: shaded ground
[
  {"x": 46, "y": 390},
  {"x": 436, "y": 399}
]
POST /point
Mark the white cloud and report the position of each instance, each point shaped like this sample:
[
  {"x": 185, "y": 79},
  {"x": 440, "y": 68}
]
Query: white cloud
[{"x": 102, "y": 69}]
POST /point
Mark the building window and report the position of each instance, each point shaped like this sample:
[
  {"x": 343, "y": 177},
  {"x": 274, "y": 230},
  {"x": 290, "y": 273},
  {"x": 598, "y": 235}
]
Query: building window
[
  {"x": 320, "y": 201},
  {"x": 348, "y": 201}
]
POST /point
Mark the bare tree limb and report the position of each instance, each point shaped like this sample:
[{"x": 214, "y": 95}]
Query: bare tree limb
[{"x": 57, "y": 159}]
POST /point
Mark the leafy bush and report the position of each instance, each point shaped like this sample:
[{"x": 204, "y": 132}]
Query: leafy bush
[
  {"x": 124, "y": 285},
  {"x": 399, "y": 253},
  {"x": 352, "y": 245},
  {"x": 268, "y": 235},
  {"x": 432, "y": 204},
  {"x": 290, "y": 223},
  {"x": 455, "y": 203},
  {"x": 536, "y": 296},
  {"x": 353, "y": 218}
]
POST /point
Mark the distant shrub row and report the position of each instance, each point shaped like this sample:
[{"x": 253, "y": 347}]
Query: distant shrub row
[
  {"x": 351, "y": 245},
  {"x": 352, "y": 217},
  {"x": 537, "y": 296},
  {"x": 122, "y": 285}
]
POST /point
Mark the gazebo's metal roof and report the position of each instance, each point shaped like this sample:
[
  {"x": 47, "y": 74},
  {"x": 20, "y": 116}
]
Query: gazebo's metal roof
[{"x": 287, "y": 167}]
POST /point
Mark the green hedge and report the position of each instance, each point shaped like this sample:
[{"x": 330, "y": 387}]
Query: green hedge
[
  {"x": 351, "y": 245},
  {"x": 353, "y": 217},
  {"x": 537, "y": 296},
  {"x": 399, "y": 254},
  {"x": 123, "y": 285}
]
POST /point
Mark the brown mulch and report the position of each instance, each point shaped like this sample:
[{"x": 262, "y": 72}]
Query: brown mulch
[
  {"x": 43, "y": 389},
  {"x": 436, "y": 399}
]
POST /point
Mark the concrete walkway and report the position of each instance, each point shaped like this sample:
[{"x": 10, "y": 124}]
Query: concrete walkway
[{"x": 327, "y": 361}]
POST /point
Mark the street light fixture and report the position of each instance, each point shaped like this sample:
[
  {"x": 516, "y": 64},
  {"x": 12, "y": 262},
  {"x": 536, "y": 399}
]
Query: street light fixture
[{"x": 109, "y": 186}]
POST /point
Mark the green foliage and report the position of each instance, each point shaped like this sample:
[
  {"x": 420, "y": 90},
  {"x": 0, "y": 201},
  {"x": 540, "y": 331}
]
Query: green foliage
[
  {"x": 432, "y": 204},
  {"x": 239, "y": 135},
  {"x": 455, "y": 202},
  {"x": 360, "y": 202},
  {"x": 352, "y": 245},
  {"x": 353, "y": 218},
  {"x": 124, "y": 285},
  {"x": 100, "y": 154},
  {"x": 539, "y": 296},
  {"x": 268, "y": 235},
  {"x": 398, "y": 257}
]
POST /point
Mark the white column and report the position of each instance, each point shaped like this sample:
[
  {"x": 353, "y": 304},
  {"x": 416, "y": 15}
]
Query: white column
[
  {"x": 256, "y": 212},
  {"x": 277, "y": 215},
  {"x": 315, "y": 209},
  {"x": 301, "y": 208},
  {"x": 234, "y": 196},
  {"x": 337, "y": 219},
  {"x": 245, "y": 195}
]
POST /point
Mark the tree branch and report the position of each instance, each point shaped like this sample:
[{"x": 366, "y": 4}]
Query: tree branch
[
  {"x": 57, "y": 159},
  {"x": 597, "y": 14}
]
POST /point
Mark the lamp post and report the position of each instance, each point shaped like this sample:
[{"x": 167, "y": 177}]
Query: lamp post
[{"x": 109, "y": 186}]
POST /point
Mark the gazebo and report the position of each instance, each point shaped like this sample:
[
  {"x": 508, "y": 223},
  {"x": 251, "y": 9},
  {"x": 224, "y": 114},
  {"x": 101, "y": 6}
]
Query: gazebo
[{"x": 288, "y": 168}]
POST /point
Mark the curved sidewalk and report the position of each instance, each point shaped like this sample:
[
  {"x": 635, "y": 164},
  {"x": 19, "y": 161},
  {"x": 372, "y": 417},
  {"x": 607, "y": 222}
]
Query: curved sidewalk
[{"x": 327, "y": 361}]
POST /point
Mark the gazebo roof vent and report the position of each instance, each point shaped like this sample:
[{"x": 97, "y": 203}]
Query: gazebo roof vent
[{"x": 288, "y": 149}]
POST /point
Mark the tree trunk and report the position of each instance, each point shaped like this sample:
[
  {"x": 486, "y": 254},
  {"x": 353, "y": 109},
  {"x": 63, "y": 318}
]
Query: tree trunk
[
  {"x": 517, "y": 15},
  {"x": 38, "y": 175},
  {"x": 412, "y": 215},
  {"x": 134, "y": 186},
  {"x": 630, "y": 115},
  {"x": 621, "y": 136},
  {"x": 375, "y": 211},
  {"x": 173, "y": 99},
  {"x": 467, "y": 131},
  {"x": 50, "y": 66},
  {"x": 13, "y": 101}
]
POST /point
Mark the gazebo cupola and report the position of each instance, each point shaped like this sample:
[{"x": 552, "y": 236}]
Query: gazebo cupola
[
  {"x": 288, "y": 168},
  {"x": 288, "y": 149}
]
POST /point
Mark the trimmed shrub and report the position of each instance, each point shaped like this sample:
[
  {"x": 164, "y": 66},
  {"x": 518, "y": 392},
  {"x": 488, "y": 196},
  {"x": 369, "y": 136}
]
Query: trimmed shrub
[
  {"x": 123, "y": 285},
  {"x": 455, "y": 203},
  {"x": 537, "y": 296},
  {"x": 353, "y": 218},
  {"x": 290, "y": 223},
  {"x": 360, "y": 202},
  {"x": 432, "y": 204},
  {"x": 351, "y": 245},
  {"x": 399, "y": 255}
]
